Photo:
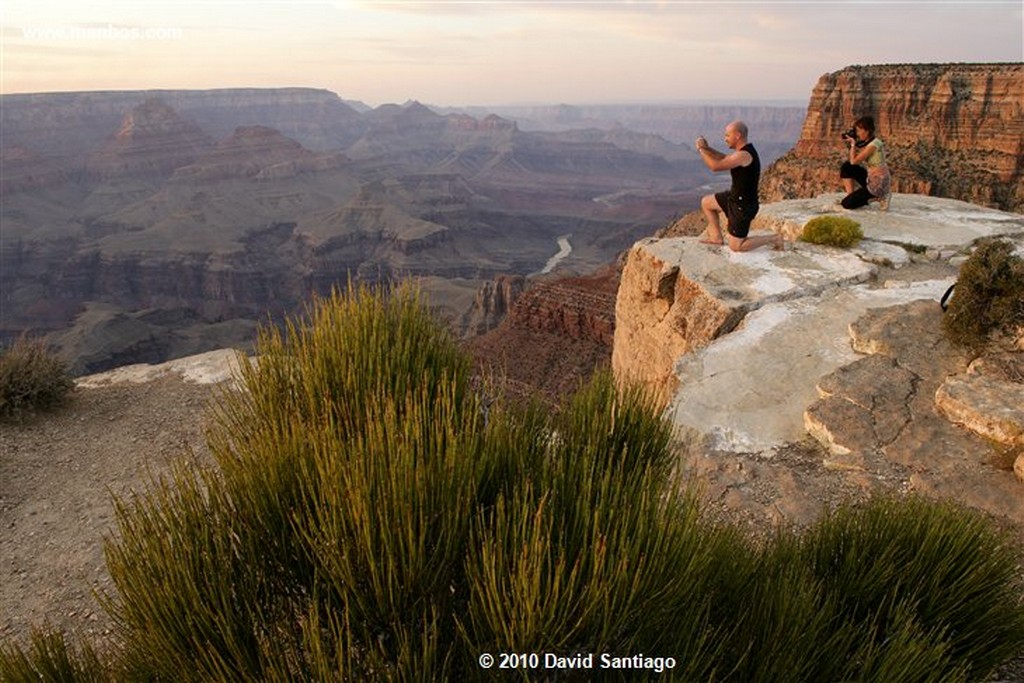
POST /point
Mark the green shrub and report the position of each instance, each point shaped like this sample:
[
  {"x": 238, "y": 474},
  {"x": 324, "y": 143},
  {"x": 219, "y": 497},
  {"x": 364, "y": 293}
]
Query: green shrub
[
  {"x": 833, "y": 231},
  {"x": 893, "y": 590},
  {"x": 935, "y": 571},
  {"x": 31, "y": 379},
  {"x": 367, "y": 520},
  {"x": 51, "y": 658},
  {"x": 989, "y": 297},
  {"x": 595, "y": 552}
]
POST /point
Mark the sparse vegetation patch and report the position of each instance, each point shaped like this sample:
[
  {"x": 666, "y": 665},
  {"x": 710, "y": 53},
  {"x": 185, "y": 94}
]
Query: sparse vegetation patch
[
  {"x": 833, "y": 231},
  {"x": 988, "y": 301},
  {"x": 32, "y": 379}
]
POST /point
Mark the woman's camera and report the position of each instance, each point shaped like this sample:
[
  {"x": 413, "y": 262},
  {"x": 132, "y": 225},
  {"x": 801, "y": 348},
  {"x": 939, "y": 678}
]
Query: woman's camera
[{"x": 851, "y": 133}]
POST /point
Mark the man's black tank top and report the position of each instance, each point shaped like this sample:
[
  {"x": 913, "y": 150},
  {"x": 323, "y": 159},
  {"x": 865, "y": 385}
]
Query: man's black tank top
[{"x": 746, "y": 178}]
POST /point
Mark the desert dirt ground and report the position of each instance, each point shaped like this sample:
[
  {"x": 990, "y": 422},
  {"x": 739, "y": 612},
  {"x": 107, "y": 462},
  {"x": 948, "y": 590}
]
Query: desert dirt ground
[{"x": 59, "y": 472}]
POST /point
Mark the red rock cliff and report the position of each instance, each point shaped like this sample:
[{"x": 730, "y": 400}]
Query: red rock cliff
[
  {"x": 555, "y": 335},
  {"x": 952, "y": 130}
]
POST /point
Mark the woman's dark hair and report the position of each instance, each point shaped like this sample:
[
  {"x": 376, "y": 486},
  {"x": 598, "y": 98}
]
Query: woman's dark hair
[{"x": 867, "y": 123}]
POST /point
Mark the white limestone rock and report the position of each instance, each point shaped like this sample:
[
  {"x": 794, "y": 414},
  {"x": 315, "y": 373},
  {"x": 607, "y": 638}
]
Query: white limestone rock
[
  {"x": 985, "y": 401},
  {"x": 211, "y": 367},
  {"x": 931, "y": 222},
  {"x": 676, "y": 295},
  {"x": 882, "y": 254}
]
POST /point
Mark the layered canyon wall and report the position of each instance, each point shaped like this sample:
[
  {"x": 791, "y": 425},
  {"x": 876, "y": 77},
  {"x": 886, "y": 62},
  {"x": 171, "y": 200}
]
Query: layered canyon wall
[
  {"x": 951, "y": 130},
  {"x": 774, "y": 125},
  {"x": 555, "y": 334},
  {"x": 69, "y": 124},
  {"x": 140, "y": 226}
]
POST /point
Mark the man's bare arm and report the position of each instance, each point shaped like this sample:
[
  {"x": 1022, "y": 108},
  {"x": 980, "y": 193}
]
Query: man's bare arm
[{"x": 717, "y": 161}]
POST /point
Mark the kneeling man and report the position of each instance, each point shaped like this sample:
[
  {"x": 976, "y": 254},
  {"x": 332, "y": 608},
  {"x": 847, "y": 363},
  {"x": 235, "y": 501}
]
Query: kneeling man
[{"x": 739, "y": 203}]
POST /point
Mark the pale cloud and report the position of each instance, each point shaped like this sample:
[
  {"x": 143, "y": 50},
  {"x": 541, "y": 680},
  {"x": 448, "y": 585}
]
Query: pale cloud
[
  {"x": 501, "y": 52},
  {"x": 773, "y": 22}
]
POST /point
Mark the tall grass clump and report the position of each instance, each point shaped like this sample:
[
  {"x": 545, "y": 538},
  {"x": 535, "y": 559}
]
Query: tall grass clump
[
  {"x": 368, "y": 520},
  {"x": 32, "y": 378},
  {"x": 989, "y": 296},
  {"x": 50, "y": 657},
  {"x": 833, "y": 231},
  {"x": 907, "y": 590},
  {"x": 335, "y": 418},
  {"x": 595, "y": 551},
  {"x": 938, "y": 576}
]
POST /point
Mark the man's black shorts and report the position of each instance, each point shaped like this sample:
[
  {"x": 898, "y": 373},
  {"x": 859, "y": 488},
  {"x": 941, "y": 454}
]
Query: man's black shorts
[{"x": 739, "y": 214}]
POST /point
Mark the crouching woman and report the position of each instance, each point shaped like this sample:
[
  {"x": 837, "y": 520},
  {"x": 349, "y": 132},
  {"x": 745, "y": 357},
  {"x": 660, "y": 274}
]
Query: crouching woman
[{"x": 865, "y": 174}]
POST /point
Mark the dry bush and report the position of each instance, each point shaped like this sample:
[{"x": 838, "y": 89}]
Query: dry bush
[
  {"x": 31, "y": 379},
  {"x": 988, "y": 302}
]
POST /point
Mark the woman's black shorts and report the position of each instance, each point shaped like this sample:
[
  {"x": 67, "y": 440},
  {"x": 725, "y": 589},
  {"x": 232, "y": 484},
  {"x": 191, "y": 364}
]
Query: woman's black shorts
[
  {"x": 854, "y": 171},
  {"x": 860, "y": 196}
]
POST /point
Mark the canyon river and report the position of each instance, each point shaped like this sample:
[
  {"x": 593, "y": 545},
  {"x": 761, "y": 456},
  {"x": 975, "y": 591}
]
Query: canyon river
[{"x": 564, "y": 249}]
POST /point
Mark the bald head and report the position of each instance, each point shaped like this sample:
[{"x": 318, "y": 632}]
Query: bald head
[
  {"x": 736, "y": 134},
  {"x": 740, "y": 128}
]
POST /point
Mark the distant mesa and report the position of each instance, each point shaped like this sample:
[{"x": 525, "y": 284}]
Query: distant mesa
[
  {"x": 399, "y": 129},
  {"x": 67, "y": 126},
  {"x": 257, "y": 152},
  {"x": 490, "y": 123},
  {"x": 152, "y": 141}
]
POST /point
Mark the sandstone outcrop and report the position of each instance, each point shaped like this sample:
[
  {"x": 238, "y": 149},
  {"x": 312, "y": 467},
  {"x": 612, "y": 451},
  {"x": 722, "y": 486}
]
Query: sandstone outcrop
[
  {"x": 555, "y": 335},
  {"x": 913, "y": 411},
  {"x": 492, "y": 303},
  {"x": 825, "y": 391},
  {"x": 152, "y": 141},
  {"x": 884, "y": 401},
  {"x": 677, "y": 296},
  {"x": 951, "y": 130},
  {"x": 988, "y": 399}
]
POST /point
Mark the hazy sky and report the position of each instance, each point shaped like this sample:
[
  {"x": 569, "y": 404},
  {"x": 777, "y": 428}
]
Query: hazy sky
[{"x": 498, "y": 52}]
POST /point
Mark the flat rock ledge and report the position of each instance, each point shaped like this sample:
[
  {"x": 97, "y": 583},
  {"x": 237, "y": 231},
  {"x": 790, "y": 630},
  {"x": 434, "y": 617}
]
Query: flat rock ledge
[
  {"x": 938, "y": 227},
  {"x": 915, "y": 406},
  {"x": 800, "y": 376},
  {"x": 677, "y": 295},
  {"x": 212, "y": 367}
]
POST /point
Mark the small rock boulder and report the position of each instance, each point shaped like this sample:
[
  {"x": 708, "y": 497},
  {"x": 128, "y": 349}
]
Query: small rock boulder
[
  {"x": 863, "y": 405},
  {"x": 988, "y": 399}
]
